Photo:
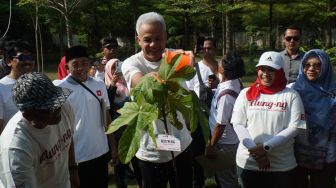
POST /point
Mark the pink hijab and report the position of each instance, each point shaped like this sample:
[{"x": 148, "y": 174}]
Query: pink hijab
[{"x": 122, "y": 91}]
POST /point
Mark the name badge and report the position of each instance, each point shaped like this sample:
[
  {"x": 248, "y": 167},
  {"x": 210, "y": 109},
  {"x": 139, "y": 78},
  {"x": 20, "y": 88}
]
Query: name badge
[{"x": 168, "y": 143}]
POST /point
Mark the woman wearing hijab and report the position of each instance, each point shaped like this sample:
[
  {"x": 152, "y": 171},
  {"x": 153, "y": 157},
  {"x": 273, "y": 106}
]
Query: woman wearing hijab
[
  {"x": 118, "y": 95},
  {"x": 315, "y": 148},
  {"x": 266, "y": 118},
  {"x": 116, "y": 85}
]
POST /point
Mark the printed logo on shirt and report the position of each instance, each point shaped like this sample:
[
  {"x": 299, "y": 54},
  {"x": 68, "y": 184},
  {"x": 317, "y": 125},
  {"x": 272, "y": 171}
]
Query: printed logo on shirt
[
  {"x": 60, "y": 145},
  {"x": 99, "y": 93},
  {"x": 270, "y": 106}
]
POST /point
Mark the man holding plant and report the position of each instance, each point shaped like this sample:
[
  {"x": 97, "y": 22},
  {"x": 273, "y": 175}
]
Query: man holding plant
[{"x": 158, "y": 165}]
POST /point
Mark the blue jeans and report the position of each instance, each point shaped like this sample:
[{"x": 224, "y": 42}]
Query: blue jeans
[{"x": 263, "y": 179}]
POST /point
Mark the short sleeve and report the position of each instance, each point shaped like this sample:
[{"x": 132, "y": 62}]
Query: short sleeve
[
  {"x": 16, "y": 169},
  {"x": 105, "y": 95},
  {"x": 128, "y": 69},
  {"x": 2, "y": 106},
  {"x": 224, "y": 109},
  {"x": 71, "y": 115},
  {"x": 239, "y": 112}
]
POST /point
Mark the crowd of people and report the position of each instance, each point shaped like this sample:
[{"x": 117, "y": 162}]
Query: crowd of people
[{"x": 278, "y": 132}]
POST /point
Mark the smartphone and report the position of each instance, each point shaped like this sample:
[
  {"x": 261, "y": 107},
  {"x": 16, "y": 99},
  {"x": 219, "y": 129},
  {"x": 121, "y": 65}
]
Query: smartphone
[
  {"x": 212, "y": 77},
  {"x": 118, "y": 68}
]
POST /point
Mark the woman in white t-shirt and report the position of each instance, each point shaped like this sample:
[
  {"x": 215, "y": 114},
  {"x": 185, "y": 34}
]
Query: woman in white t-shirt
[{"x": 266, "y": 118}]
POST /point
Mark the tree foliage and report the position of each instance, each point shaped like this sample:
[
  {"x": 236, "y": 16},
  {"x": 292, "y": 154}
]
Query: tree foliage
[{"x": 90, "y": 20}]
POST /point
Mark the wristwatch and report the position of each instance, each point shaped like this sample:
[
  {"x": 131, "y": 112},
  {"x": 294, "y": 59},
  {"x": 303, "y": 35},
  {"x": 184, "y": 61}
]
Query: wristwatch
[{"x": 267, "y": 148}]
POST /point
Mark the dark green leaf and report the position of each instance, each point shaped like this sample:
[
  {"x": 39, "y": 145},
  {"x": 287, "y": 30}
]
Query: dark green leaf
[{"x": 138, "y": 119}]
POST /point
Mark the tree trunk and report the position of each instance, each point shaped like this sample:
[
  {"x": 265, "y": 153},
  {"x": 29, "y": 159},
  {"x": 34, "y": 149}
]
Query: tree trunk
[
  {"x": 96, "y": 30},
  {"x": 60, "y": 35},
  {"x": 223, "y": 34},
  {"x": 41, "y": 48},
  {"x": 185, "y": 38},
  {"x": 271, "y": 34},
  {"x": 328, "y": 32},
  {"x": 135, "y": 10},
  {"x": 228, "y": 38},
  {"x": 68, "y": 31},
  {"x": 37, "y": 37}
]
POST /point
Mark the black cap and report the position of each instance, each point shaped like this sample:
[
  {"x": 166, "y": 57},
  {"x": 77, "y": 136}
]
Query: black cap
[{"x": 75, "y": 52}]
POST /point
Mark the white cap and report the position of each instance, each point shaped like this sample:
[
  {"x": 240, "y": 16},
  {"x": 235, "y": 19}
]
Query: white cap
[{"x": 271, "y": 59}]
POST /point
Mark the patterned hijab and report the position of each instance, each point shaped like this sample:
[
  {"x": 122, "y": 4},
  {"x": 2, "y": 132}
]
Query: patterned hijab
[
  {"x": 122, "y": 91},
  {"x": 319, "y": 96}
]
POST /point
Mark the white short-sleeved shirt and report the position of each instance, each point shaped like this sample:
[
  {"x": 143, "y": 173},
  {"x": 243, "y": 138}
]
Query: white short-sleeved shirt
[
  {"x": 7, "y": 106},
  {"x": 264, "y": 118},
  {"x": 148, "y": 151},
  {"x": 31, "y": 157},
  {"x": 193, "y": 84},
  {"x": 89, "y": 136},
  {"x": 221, "y": 111}
]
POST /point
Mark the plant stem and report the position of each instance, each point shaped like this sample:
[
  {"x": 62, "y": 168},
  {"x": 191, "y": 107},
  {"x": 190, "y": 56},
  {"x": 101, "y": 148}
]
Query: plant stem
[{"x": 171, "y": 152}]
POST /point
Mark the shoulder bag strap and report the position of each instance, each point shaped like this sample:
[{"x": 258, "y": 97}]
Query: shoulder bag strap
[
  {"x": 227, "y": 92},
  {"x": 199, "y": 74},
  {"x": 89, "y": 90},
  {"x": 100, "y": 101}
]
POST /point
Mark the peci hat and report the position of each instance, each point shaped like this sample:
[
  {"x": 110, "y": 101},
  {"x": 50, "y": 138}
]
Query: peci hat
[
  {"x": 75, "y": 52},
  {"x": 271, "y": 59},
  {"x": 36, "y": 91}
]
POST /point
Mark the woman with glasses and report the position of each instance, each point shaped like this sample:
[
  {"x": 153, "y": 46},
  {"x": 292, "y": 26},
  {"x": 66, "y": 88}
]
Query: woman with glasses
[
  {"x": 18, "y": 56},
  {"x": 315, "y": 148},
  {"x": 266, "y": 118}
]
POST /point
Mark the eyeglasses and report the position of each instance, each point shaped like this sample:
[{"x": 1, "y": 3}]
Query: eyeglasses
[
  {"x": 314, "y": 65},
  {"x": 23, "y": 58},
  {"x": 295, "y": 38}
]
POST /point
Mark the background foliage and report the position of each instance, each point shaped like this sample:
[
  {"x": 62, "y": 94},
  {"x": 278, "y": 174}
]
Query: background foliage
[{"x": 249, "y": 26}]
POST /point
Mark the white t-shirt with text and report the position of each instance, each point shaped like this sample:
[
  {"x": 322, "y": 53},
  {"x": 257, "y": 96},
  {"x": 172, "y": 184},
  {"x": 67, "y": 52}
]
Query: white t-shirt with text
[
  {"x": 36, "y": 158},
  {"x": 264, "y": 118},
  {"x": 148, "y": 151}
]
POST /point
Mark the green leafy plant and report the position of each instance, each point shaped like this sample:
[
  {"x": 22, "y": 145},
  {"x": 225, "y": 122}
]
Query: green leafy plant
[{"x": 159, "y": 97}]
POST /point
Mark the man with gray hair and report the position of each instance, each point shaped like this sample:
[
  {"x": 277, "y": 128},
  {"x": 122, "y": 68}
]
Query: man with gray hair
[
  {"x": 157, "y": 166},
  {"x": 36, "y": 148}
]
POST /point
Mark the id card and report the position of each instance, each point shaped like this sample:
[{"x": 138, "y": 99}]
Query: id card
[{"x": 168, "y": 143}]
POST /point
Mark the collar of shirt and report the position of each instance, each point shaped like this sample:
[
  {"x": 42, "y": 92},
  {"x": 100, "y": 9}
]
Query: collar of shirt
[
  {"x": 229, "y": 83},
  {"x": 299, "y": 55}
]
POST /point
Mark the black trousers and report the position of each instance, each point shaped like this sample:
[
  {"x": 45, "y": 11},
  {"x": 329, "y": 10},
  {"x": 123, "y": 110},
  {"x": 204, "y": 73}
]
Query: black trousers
[
  {"x": 94, "y": 173},
  {"x": 312, "y": 178},
  {"x": 198, "y": 148},
  {"x": 266, "y": 179},
  {"x": 157, "y": 175}
]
